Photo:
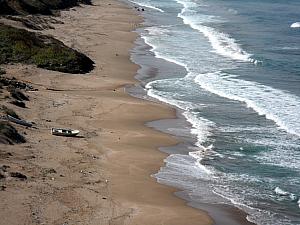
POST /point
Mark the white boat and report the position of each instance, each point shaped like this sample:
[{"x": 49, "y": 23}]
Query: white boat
[{"x": 64, "y": 132}]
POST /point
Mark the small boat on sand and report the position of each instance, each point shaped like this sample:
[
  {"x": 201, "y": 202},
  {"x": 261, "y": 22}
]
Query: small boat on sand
[{"x": 64, "y": 132}]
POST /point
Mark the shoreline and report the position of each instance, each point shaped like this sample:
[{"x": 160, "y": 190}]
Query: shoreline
[
  {"x": 104, "y": 175},
  {"x": 220, "y": 213},
  {"x": 150, "y": 202}
]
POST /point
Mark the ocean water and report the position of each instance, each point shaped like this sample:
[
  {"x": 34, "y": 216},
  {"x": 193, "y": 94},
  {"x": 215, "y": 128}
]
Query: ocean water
[{"x": 232, "y": 68}]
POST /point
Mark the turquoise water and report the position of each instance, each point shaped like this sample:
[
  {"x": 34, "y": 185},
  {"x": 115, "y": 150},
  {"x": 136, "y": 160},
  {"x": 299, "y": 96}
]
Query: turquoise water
[{"x": 232, "y": 68}]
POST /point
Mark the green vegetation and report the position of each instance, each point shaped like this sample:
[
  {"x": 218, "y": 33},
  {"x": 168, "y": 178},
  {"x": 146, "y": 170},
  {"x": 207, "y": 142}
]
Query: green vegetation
[{"x": 18, "y": 45}]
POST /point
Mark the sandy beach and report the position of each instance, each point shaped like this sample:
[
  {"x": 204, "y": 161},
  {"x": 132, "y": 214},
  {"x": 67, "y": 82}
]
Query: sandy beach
[{"x": 104, "y": 175}]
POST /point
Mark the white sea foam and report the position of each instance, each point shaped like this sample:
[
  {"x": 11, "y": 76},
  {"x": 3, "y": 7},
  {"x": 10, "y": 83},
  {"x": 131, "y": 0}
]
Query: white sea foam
[
  {"x": 255, "y": 215},
  {"x": 233, "y": 11},
  {"x": 283, "y": 152},
  {"x": 147, "y": 5},
  {"x": 281, "y": 192},
  {"x": 294, "y": 197},
  {"x": 277, "y": 105},
  {"x": 285, "y": 194},
  {"x": 201, "y": 127},
  {"x": 181, "y": 171},
  {"x": 222, "y": 43},
  {"x": 298, "y": 203},
  {"x": 198, "y": 155},
  {"x": 286, "y": 48},
  {"x": 187, "y": 165},
  {"x": 295, "y": 25},
  {"x": 156, "y": 31},
  {"x": 165, "y": 97}
]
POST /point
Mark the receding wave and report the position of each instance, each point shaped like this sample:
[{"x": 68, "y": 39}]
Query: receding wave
[
  {"x": 159, "y": 31},
  {"x": 200, "y": 126},
  {"x": 222, "y": 43}
]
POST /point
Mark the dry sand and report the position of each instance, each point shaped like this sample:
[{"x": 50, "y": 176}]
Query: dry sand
[{"x": 103, "y": 177}]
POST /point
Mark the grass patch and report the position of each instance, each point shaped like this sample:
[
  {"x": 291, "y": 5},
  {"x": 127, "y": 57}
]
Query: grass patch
[{"x": 18, "y": 45}]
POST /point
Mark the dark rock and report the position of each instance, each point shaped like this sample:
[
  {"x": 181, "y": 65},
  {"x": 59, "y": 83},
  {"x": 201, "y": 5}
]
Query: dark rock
[
  {"x": 14, "y": 83},
  {"x": 18, "y": 95},
  {"x": 5, "y": 155},
  {"x": 2, "y": 175},
  {"x": 46, "y": 171},
  {"x": 2, "y": 71},
  {"x": 8, "y": 111},
  {"x": 2, "y": 188},
  {"x": 9, "y": 135},
  {"x": 18, "y": 103},
  {"x": 18, "y": 175},
  {"x": 4, "y": 168}
]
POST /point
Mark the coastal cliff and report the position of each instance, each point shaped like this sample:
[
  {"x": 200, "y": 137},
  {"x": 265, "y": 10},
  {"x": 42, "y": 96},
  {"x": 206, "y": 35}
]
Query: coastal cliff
[{"x": 45, "y": 7}]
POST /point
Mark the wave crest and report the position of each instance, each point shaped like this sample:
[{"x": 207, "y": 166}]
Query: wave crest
[{"x": 222, "y": 43}]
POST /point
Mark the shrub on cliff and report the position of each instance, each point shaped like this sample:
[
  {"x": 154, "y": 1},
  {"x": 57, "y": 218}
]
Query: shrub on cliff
[
  {"x": 23, "y": 7},
  {"x": 18, "y": 45}
]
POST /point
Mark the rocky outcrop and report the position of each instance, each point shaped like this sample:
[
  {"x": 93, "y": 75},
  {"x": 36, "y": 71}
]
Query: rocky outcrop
[{"x": 9, "y": 135}]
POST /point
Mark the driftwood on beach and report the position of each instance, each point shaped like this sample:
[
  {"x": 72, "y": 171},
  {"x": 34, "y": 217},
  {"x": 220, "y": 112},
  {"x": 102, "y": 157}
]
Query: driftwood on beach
[{"x": 17, "y": 121}]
